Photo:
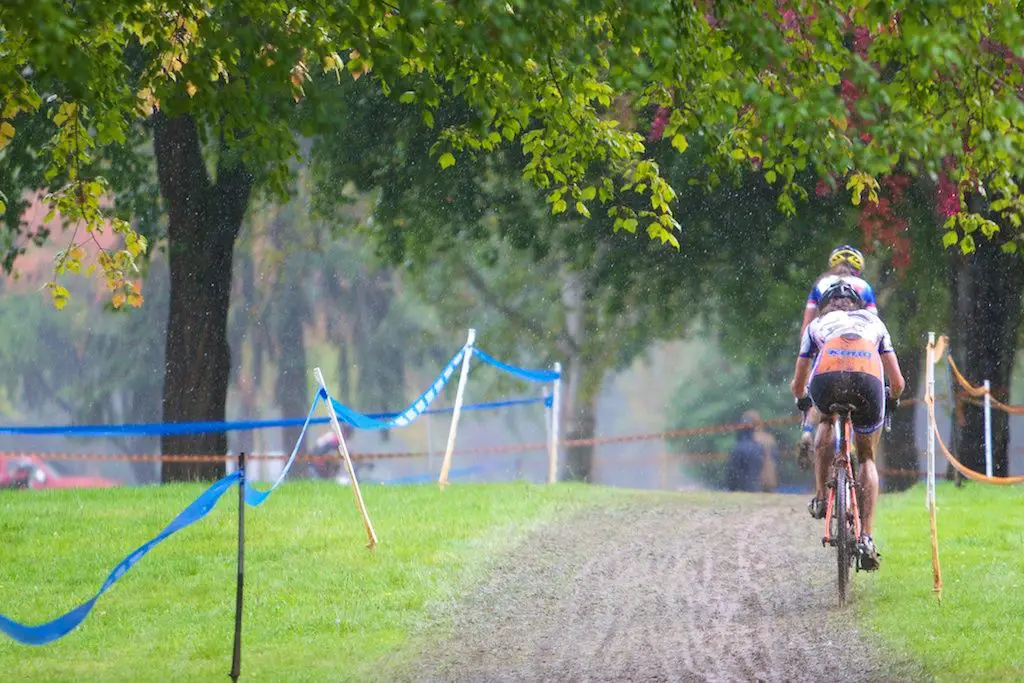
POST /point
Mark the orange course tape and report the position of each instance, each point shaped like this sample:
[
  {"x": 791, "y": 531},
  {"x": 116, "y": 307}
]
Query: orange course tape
[
  {"x": 963, "y": 469},
  {"x": 979, "y": 392},
  {"x": 510, "y": 448}
]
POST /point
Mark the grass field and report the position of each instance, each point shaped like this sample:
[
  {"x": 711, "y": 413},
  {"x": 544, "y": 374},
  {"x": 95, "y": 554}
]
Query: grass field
[
  {"x": 975, "y": 632},
  {"x": 319, "y": 606}
]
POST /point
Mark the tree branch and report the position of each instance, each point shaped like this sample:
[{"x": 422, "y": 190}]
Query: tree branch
[{"x": 514, "y": 315}]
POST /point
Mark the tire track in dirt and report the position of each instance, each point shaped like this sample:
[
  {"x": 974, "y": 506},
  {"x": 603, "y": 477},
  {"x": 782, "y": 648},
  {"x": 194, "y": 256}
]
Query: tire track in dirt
[{"x": 671, "y": 590}]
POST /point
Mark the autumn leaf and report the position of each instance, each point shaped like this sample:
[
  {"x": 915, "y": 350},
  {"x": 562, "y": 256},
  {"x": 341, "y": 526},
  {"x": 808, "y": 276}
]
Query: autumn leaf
[
  {"x": 60, "y": 295},
  {"x": 6, "y": 133}
]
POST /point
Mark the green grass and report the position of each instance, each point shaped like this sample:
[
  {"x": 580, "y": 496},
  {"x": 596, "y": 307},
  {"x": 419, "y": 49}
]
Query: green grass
[
  {"x": 318, "y": 605},
  {"x": 975, "y": 632}
]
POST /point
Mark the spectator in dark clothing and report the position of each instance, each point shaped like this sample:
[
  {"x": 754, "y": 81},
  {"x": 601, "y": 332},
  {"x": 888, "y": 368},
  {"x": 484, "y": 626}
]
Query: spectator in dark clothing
[{"x": 744, "y": 468}]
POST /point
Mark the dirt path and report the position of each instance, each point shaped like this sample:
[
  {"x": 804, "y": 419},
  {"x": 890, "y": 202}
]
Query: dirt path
[{"x": 673, "y": 592}]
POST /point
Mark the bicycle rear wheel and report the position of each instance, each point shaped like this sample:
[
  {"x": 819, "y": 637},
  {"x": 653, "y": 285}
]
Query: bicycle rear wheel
[{"x": 843, "y": 535}]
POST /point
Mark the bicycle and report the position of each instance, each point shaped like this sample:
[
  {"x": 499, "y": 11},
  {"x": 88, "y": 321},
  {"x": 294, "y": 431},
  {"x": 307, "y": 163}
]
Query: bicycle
[{"x": 842, "y": 512}]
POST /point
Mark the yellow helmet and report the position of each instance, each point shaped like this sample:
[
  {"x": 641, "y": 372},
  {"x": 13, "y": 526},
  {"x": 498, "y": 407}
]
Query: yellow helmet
[{"x": 847, "y": 254}]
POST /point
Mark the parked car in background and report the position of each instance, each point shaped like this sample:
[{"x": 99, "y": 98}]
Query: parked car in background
[{"x": 32, "y": 472}]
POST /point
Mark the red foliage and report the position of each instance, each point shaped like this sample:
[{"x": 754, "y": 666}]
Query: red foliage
[
  {"x": 790, "y": 21},
  {"x": 882, "y": 225},
  {"x": 861, "y": 41},
  {"x": 947, "y": 197},
  {"x": 658, "y": 124}
]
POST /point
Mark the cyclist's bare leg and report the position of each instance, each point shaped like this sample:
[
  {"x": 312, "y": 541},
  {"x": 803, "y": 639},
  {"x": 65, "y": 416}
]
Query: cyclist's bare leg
[
  {"x": 867, "y": 475},
  {"x": 807, "y": 438},
  {"x": 824, "y": 450}
]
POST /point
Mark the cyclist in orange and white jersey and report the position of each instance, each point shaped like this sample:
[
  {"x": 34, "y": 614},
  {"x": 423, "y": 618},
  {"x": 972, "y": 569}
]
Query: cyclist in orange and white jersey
[
  {"x": 846, "y": 354},
  {"x": 845, "y": 264}
]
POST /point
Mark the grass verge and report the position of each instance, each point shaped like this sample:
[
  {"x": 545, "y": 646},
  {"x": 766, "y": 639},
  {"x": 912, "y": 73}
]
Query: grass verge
[
  {"x": 318, "y": 605},
  {"x": 974, "y": 633}
]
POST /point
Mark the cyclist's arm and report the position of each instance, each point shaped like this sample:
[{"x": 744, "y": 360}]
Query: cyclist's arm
[
  {"x": 802, "y": 371},
  {"x": 810, "y": 309},
  {"x": 891, "y": 366},
  {"x": 809, "y": 313},
  {"x": 801, "y": 374}
]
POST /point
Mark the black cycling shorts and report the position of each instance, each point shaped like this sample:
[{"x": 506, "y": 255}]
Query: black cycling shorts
[{"x": 859, "y": 389}]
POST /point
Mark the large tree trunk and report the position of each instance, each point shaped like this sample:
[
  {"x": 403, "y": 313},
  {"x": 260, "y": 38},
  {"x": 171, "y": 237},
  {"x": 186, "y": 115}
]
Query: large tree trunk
[
  {"x": 986, "y": 303},
  {"x": 204, "y": 220},
  {"x": 898, "y": 298}
]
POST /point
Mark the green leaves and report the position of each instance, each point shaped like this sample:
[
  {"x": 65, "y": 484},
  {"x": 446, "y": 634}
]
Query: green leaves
[
  {"x": 960, "y": 227},
  {"x": 627, "y": 224},
  {"x": 573, "y": 85}
]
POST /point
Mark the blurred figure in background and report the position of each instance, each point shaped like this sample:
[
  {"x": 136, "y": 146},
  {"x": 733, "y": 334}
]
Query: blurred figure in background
[
  {"x": 770, "y": 469},
  {"x": 751, "y": 465},
  {"x": 331, "y": 466}
]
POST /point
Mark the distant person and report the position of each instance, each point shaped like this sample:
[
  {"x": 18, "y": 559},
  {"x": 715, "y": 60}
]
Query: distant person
[
  {"x": 770, "y": 469},
  {"x": 744, "y": 470},
  {"x": 845, "y": 264},
  {"x": 329, "y": 463}
]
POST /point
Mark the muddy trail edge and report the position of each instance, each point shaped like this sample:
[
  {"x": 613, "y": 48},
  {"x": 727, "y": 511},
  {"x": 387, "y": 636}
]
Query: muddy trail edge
[{"x": 729, "y": 588}]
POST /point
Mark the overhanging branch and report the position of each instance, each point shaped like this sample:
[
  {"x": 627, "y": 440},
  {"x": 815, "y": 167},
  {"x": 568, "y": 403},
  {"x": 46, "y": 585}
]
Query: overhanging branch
[{"x": 512, "y": 314}]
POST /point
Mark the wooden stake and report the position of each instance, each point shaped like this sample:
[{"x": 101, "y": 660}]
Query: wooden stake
[{"x": 343, "y": 450}]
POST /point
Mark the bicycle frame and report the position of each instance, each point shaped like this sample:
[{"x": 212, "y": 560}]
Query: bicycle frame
[
  {"x": 841, "y": 460},
  {"x": 842, "y": 506}
]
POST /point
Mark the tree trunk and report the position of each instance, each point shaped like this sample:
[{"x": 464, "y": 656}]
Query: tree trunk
[
  {"x": 900, "y": 445},
  {"x": 582, "y": 381},
  {"x": 986, "y": 303},
  {"x": 581, "y": 424},
  {"x": 293, "y": 390},
  {"x": 204, "y": 220}
]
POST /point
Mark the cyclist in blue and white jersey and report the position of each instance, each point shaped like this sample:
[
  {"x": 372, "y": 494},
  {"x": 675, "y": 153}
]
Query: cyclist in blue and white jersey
[{"x": 845, "y": 264}]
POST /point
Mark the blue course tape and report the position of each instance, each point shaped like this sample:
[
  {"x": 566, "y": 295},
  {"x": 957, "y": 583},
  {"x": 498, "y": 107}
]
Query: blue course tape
[
  {"x": 524, "y": 373},
  {"x": 166, "y": 428},
  {"x": 415, "y": 409},
  {"x": 253, "y": 496},
  {"x": 64, "y": 624},
  {"x": 353, "y": 417},
  {"x": 199, "y": 508}
]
